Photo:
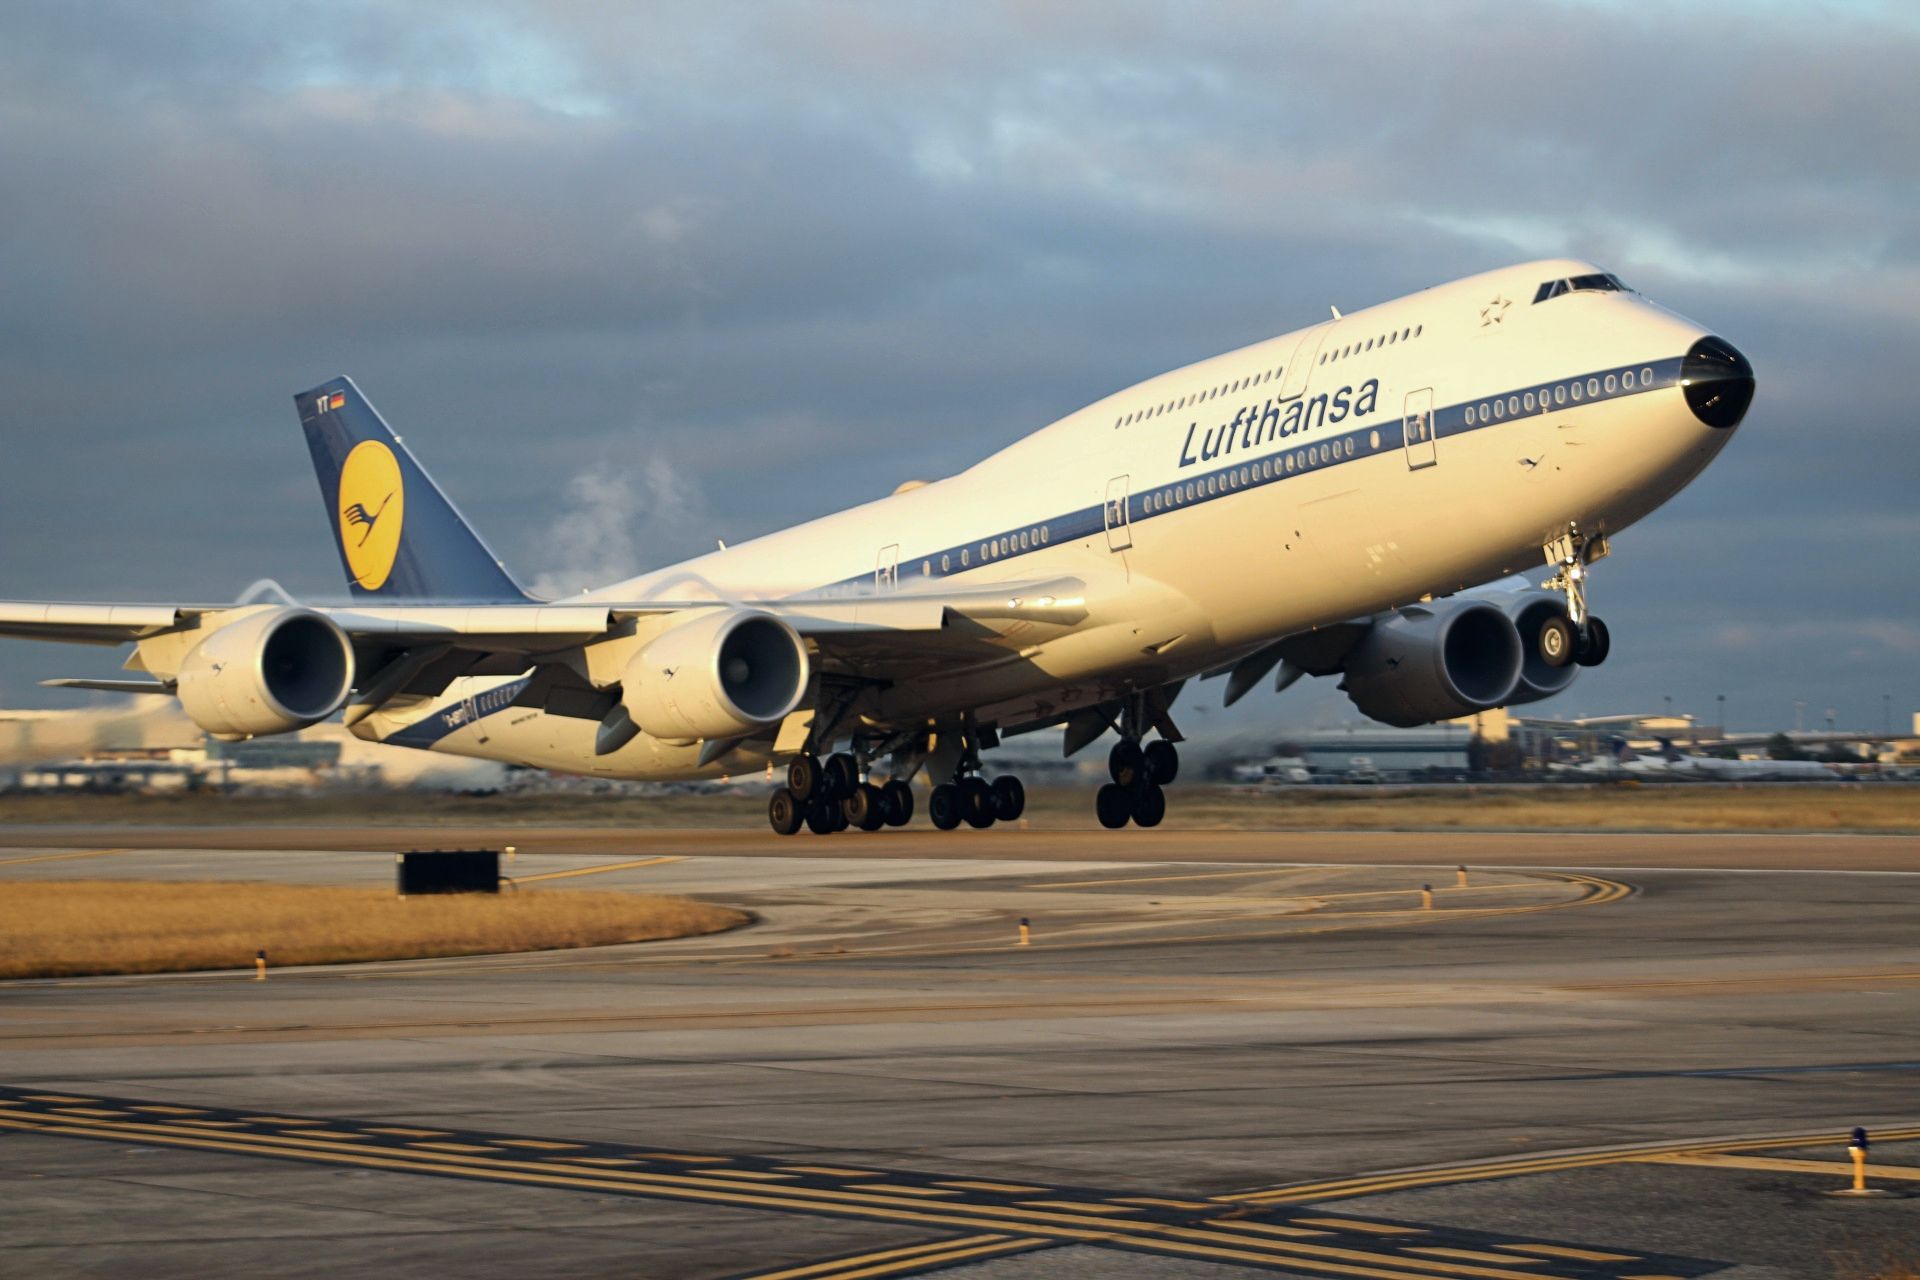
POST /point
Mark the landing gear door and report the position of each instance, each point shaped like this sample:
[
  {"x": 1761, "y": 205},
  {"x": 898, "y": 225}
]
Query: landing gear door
[
  {"x": 1119, "y": 517},
  {"x": 1416, "y": 426}
]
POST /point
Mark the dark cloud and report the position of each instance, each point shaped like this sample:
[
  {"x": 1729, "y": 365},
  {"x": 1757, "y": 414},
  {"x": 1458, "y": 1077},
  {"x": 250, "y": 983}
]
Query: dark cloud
[{"x": 771, "y": 259}]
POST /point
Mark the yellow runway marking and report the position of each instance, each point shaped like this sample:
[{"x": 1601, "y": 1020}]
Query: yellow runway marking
[
  {"x": 61, "y": 1097},
  {"x": 63, "y": 857},
  {"x": 1292, "y": 894},
  {"x": 89, "y": 1111},
  {"x": 911, "y": 1258},
  {"x": 156, "y": 1110},
  {"x": 395, "y": 1131},
  {"x": 540, "y": 1145},
  {"x": 1471, "y": 1255},
  {"x": 1448, "y": 1175},
  {"x": 1564, "y": 1251},
  {"x": 1779, "y": 1164},
  {"x": 1373, "y": 1228},
  {"x": 833, "y": 1171},
  {"x": 960, "y": 1184},
  {"x": 892, "y": 1189},
  {"x": 449, "y": 1146},
  {"x": 594, "y": 871}
]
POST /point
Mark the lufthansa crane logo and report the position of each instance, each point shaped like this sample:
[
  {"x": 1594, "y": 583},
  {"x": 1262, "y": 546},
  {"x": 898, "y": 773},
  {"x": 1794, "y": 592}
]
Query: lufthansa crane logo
[{"x": 373, "y": 504}]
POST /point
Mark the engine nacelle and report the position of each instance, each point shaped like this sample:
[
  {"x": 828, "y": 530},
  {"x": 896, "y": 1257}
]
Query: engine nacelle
[
  {"x": 723, "y": 675},
  {"x": 273, "y": 671},
  {"x": 1431, "y": 662},
  {"x": 1529, "y": 611}
]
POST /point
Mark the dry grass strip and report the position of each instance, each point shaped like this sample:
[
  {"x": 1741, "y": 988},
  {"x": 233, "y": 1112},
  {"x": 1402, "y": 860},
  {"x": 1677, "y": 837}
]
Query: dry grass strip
[{"x": 68, "y": 928}]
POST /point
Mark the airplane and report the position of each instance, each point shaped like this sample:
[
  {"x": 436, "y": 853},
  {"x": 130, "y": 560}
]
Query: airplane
[
  {"x": 1674, "y": 765},
  {"x": 1317, "y": 502}
]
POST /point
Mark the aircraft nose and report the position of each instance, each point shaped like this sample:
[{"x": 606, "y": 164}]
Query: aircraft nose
[{"x": 1718, "y": 382}]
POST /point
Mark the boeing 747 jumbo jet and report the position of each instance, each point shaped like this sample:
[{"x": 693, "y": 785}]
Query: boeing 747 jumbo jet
[{"x": 1331, "y": 502}]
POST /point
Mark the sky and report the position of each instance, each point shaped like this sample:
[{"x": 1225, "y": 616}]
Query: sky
[{"x": 630, "y": 279}]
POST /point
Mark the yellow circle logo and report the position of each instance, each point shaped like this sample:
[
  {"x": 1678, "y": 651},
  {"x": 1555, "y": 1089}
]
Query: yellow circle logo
[{"x": 372, "y": 504}]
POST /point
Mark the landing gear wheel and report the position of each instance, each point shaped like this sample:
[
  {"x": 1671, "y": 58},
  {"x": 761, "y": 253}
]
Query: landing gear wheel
[
  {"x": 976, "y": 803},
  {"x": 943, "y": 806},
  {"x": 1163, "y": 762},
  {"x": 1594, "y": 645},
  {"x": 842, "y": 775},
  {"x": 803, "y": 777},
  {"x": 1009, "y": 798},
  {"x": 1149, "y": 806},
  {"x": 1126, "y": 762},
  {"x": 899, "y": 802},
  {"x": 1113, "y": 805},
  {"x": 1557, "y": 641},
  {"x": 823, "y": 817},
  {"x": 866, "y": 808},
  {"x": 785, "y": 813}
]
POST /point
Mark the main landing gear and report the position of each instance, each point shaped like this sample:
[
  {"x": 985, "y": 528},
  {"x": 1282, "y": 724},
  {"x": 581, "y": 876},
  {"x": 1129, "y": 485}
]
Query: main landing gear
[
  {"x": 1139, "y": 771},
  {"x": 971, "y": 799},
  {"x": 827, "y": 796},
  {"x": 1579, "y": 637}
]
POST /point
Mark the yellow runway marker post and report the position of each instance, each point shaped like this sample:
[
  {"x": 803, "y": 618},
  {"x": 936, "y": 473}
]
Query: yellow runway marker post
[
  {"x": 1026, "y": 932},
  {"x": 1426, "y": 897},
  {"x": 1857, "y": 1148},
  {"x": 1461, "y": 872},
  {"x": 260, "y": 965}
]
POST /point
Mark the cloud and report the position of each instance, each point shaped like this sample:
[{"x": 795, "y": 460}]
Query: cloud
[{"x": 618, "y": 520}]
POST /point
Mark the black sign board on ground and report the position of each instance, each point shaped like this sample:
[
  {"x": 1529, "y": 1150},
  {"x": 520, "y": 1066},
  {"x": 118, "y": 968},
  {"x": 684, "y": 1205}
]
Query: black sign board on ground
[{"x": 448, "y": 871}]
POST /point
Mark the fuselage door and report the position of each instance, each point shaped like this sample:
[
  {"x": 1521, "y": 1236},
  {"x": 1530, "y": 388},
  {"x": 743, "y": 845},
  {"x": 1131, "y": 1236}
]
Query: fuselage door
[
  {"x": 1293, "y": 379},
  {"x": 1119, "y": 518},
  {"x": 1416, "y": 425},
  {"x": 886, "y": 569}
]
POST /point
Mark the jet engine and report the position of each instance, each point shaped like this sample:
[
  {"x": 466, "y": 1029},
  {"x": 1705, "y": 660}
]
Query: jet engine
[
  {"x": 270, "y": 672},
  {"x": 723, "y": 675},
  {"x": 1429, "y": 662},
  {"x": 1538, "y": 679}
]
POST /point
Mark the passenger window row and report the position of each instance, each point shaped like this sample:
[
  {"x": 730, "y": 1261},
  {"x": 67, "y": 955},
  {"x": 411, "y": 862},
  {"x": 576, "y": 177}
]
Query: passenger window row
[
  {"x": 1361, "y": 348},
  {"x": 1012, "y": 544},
  {"x": 1560, "y": 394},
  {"x": 1170, "y": 496},
  {"x": 1198, "y": 397}
]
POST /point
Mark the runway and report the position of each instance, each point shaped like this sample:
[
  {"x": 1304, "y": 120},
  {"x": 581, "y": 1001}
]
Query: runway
[{"x": 1205, "y": 1063}]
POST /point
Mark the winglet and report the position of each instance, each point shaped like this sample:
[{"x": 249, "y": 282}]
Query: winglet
[{"x": 398, "y": 535}]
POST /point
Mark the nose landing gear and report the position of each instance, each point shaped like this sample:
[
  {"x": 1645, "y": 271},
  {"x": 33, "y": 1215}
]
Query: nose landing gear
[{"x": 1572, "y": 554}]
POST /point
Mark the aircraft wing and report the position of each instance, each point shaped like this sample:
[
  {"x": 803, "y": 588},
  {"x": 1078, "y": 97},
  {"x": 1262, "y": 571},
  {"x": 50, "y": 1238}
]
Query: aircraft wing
[{"x": 419, "y": 649}]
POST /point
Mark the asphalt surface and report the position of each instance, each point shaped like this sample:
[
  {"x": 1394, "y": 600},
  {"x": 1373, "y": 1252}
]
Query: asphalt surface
[{"x": 1201, "y": 1066}]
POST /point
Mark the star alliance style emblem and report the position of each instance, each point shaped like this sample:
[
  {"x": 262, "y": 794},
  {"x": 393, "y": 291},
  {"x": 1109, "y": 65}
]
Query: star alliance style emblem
[{"x": 1494, "y": 312}]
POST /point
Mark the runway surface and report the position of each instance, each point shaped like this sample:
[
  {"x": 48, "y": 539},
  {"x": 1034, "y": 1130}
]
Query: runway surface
[{"x": 1207, "y": 1063}]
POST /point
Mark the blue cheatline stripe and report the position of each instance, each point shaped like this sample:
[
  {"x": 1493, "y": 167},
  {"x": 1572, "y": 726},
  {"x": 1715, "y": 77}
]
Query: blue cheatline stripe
[{"x": 1386, "y": 436}]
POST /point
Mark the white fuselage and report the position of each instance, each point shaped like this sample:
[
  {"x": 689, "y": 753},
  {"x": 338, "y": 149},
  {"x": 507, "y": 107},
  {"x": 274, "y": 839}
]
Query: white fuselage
[{"x": 1286, "y": 485}]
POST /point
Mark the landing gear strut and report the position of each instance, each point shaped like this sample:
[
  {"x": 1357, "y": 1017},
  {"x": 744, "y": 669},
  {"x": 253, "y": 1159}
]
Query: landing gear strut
[
  {"x": 829, "y": 795},
  {"x": 1585, "y": 639}
]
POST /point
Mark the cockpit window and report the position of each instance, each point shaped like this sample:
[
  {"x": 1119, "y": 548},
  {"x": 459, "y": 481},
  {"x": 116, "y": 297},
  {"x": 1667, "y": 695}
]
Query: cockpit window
[{"x": 1603, "y": 282}]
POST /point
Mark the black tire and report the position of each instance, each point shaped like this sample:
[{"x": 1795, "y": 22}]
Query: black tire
[
  {"x": 1163, "y": 762},
  {"x": 842, "y": 774},
  {"x": 1149, "y": 806},
  {"x": 823, "y": 817},
  {"x": 1595, "y": 644},
  {"x": 803, "y": 777},
  {"x": 943, "y": 806},
  {"x": 1009, "y": 798},
  {"x": 976, "y": 802},
  {"x": 784, "y": 813},
  {"x": 1113, "y": 805},
  {"x": 866, "y": 808},
  {"x": 899, "y": 797},
  {"x": 1126, "y": 763},
  {"x": 1558, "y": 643}
]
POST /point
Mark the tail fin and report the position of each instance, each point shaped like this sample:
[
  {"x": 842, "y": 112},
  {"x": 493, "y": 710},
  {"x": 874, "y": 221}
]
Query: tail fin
[
  {"x": 399, "y": 536},
  {"x": 1621, "y": 751}
]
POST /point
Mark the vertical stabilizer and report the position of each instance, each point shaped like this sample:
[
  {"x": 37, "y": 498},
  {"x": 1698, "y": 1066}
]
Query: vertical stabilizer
[{"x": 399, "y": 537}]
